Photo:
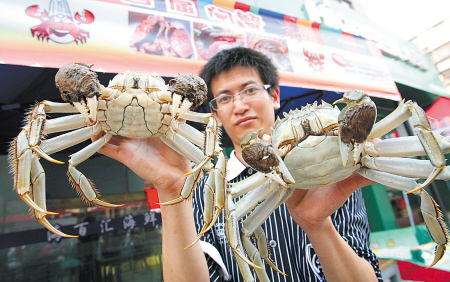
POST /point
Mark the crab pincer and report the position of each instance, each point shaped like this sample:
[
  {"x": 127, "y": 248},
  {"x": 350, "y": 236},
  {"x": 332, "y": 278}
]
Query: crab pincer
[
  {"x": 355, "y": 123},
  {"x": 260, "y": 155}
]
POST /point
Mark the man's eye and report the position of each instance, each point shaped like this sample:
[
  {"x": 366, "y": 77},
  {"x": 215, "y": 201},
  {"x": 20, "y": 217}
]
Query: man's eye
[
  {"x": 224, "y": 99},
  {"x": 250, "y": 90}
]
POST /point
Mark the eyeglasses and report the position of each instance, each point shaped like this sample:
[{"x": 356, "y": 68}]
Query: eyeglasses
[{"x": 248, "y": 94}]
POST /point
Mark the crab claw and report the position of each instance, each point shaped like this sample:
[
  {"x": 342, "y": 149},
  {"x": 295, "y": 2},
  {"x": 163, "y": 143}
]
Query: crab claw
[
  {"x": 79, "y": 86},
  {"x": 190, "y": 87},
  {"x": 355, "y": 123},
  {"x": 261, "y": 156}
]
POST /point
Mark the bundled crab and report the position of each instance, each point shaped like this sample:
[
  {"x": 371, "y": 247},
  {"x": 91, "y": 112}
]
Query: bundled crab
[
  {"x": 320, "y": 145},
  {"x": 133, "y": 105}
]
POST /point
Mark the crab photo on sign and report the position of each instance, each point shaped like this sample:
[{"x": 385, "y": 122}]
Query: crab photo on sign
[
  {"x": 211, "y": 39},
  {"x": 274, "y": 48},
  {"x": 161, "y": 36}
]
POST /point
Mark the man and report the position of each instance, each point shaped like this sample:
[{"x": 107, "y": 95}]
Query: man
[{"x": 311, "y": 227}]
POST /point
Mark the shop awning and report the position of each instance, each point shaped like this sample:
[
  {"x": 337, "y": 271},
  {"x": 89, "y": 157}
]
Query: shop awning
[{"x": 170, "y": 37}]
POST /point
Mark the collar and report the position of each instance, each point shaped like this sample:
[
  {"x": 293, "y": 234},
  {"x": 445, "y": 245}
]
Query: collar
[{"x": 234, "y": 167}]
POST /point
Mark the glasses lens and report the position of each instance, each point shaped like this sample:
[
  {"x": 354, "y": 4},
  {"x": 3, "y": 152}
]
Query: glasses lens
[
  {"x": 248, "y": 94},
  {"x": 252, "y": 92},
  {"x": 222, "y": 102}
]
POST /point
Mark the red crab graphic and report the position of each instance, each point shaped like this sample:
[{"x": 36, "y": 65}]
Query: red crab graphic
[
  {"x": 315, "y": 60},
  {"x": 58, "y": 25}
]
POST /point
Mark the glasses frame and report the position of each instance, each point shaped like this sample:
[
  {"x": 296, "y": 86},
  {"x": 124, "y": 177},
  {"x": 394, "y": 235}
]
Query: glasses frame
[{"x": 265, "y": 87}]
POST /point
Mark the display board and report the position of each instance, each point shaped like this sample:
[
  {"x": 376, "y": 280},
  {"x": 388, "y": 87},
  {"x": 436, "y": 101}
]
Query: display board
[{"x": 178, "y": 36}]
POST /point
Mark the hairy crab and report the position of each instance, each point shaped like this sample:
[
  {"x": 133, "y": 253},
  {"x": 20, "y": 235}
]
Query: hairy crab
[
  {"x": 133, "y": 105},
  {"x": 320, "y": 145},
  {"x": 155, "y": 35}
]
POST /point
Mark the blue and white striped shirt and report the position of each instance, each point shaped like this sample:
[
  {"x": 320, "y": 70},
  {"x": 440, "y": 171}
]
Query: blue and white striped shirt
[{"x": 289, "y": 246}]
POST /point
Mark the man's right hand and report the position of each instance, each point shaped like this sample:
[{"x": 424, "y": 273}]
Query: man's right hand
[{"x": 152, "y": 160}]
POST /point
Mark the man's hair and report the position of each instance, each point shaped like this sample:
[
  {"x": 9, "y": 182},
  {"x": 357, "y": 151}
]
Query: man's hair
[{"x": 239, "y": 56}]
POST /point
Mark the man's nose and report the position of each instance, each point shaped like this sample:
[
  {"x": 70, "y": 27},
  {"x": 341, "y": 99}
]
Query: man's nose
[
  {"x": 239, "y": 102},
  {"x": 237, "y": 96}
]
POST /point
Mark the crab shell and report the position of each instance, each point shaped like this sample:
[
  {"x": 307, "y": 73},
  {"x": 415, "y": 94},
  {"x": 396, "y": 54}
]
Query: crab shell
[{"x": 311, "y": 138}]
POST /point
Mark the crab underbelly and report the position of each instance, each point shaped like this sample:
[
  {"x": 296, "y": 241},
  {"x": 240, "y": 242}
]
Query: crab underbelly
[
  {"x": 136, "y": 121},
  {"x": 317, "y": 162}
]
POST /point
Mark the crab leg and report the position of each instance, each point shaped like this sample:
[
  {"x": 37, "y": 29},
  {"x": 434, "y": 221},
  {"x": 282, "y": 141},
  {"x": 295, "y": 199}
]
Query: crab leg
[
  {"x": 255, "y": 256},
  {"x": 247, "y": 203},
  {"x": 38, "y": 183},
  {"x": 180, "y": 144},
  {"x": 183, "y": 146},
  {"x": 263, "y": 210},
  {"x": 83, "y": 185},
  {"x": 197, "y": 117},
  {"x": 404, "y": 146},
  {"x": 247, "y": 185},
  {"x": 423, "y": 131},
  {"x": 35, "y": 128},
  {"x": 231, "y": 230},
  {"x": 211, "y": 143},
  {"x": 64, "y": 123},
  {"x": 214, "y": 193},
  {"x": 69, "y": 139},
  {"x": 191, "y": 134},
  {"x": 38, "y": 121},
  {"x": 258, "y": 216},
  {"x": 259, "y": 252},
  {"x": 432, "y": 215},
  {"x": 189, "y": 185},
  {"x": 261, "y": 241},
  {"x": 405, "y": 167},
  {"x": 22, "y": 156},
  {"x": 31, "y": 186},
  {"x": 244, "y": 267},
  {"x": 55, "y": 107},
  {"x": 435, "y": 224},
  {"x": 219, "y": 188}
]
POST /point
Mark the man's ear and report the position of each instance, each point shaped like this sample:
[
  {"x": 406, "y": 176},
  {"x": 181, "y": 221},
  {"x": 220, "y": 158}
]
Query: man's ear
[
  {"x": 276, "y": 97},
  {"x": 216, "y": 116}
]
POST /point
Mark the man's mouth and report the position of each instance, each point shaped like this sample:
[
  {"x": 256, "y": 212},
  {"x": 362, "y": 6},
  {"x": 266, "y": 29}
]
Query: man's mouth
[{"x": 245, "y": 121}]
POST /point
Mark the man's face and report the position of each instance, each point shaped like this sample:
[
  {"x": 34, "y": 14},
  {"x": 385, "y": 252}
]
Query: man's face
[{"x": 244, "y": 116}]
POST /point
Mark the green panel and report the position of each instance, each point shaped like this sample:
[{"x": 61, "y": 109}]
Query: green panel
[
  {"x": 379, "y": 209},
  {"x": 427, "y": 81},
  {"x": 227, "y": 151},
  {"x": 424, "y": 99},
  {"x": 443, "y": 188},
  {"x": 135, "y": 183}
]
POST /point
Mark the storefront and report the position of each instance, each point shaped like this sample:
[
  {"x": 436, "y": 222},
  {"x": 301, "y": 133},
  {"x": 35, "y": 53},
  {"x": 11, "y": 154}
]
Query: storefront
[{"x": 316, "y": 62}]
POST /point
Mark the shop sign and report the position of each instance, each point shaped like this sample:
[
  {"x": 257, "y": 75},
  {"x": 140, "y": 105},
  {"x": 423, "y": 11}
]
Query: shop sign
[
  {"x": 150, "y": 219},
  {"x": 322, "y": 13},
  {"x": 178, "y": 36},
  {"x": 58, "y": 24}
]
